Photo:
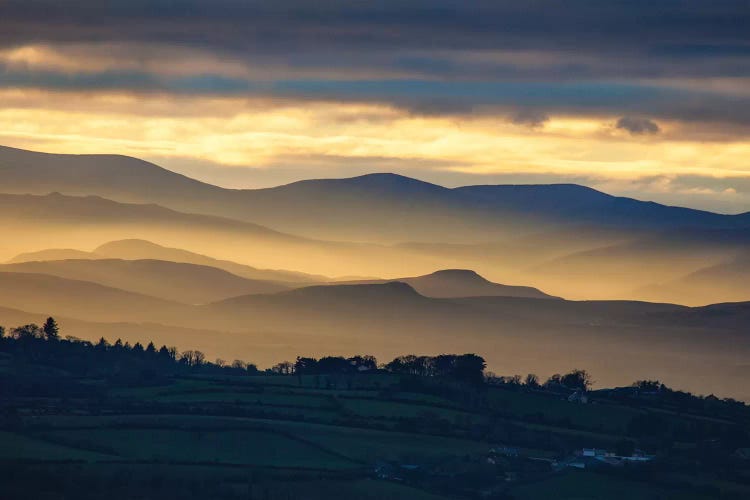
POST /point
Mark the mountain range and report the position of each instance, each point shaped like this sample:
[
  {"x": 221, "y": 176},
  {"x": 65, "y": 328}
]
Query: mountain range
[
  {"x": 355, "y": 209},
  {"x": 379, "y": 264},
  {"x": 704, "y": 348}
]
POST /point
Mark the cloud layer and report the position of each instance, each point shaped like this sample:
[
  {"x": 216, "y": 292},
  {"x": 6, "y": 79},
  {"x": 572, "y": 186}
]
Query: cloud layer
[{"x": 630, "y": 87}]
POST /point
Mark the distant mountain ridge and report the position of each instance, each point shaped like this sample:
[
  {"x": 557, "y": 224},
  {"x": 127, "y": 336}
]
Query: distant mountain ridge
[
  {"x": 456, "y": 283},
  {"x": 135, "y": 249},
  {"x": 359, "y": 208},
  {"x": 176, "y": 281}
]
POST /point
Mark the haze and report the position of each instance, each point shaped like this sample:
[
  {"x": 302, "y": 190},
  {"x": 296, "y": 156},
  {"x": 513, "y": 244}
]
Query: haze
[{"x": 531, "y": 182}]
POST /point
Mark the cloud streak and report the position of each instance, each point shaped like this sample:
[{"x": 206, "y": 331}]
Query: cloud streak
[
  {"x": 638, "y": 126},
  {"x": 634, "y": 88},
  {"x": 433, "y": 57}
]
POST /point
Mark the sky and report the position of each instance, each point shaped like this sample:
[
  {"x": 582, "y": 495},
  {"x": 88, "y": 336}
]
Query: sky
[{"x": 643, "y": 98}]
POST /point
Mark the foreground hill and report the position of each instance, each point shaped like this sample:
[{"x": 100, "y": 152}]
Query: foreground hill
[
  {"x": 360, "y": 208},
  {"x": 171, "y": 424},
  {"x": 454, "y": 283},
  {"x": 188, "y": 283}
]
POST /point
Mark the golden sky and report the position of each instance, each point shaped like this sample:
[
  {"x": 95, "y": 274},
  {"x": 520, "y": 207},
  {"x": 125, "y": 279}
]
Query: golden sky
[{"x": 661, "y": 113}]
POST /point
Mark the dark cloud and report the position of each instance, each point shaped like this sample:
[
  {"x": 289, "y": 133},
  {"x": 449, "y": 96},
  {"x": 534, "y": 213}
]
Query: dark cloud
[
  {"x": 429, "y": 56},
  {"x": 636, "y": 31},
  {"x": 530, "y": 117},
  {"x": 638, "y": 126}
]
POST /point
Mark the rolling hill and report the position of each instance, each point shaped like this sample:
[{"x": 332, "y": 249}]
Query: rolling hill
[
  {"x": 135, "y": 249},
  {"x": 180, "y": 282},
  {"x": 455, "y": 283},
  {"x": 84, "y": 300},
  {"x": 568, "y": 240},
  {"x": 355, "y": 209},
  {"x": 726, "y": 281},
  {"x": 61, "y": 221},
  {"x": 704, "y": 349},
  {"x": 142, "y": 249}
]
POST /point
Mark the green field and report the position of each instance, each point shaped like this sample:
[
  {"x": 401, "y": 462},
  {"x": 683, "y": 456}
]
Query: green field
[
  {"x": 580, "y": 485},
  {"x": 260, "y": 448},
  {"x": 20, "y": 447},
  {"x": 281, "y": 437},
  {"x": 599, "y": 417}
]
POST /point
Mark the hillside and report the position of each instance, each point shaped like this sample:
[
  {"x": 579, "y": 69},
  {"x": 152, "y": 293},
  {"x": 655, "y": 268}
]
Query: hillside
[
  {"x": 61, "y": 221},
  {"x": 426, "y": 212},
  {"x": 141, "y": 249},
  {"x": 726, "y": 281},
  {"x": 81, "y": 299},
  {"x": 455, "y": 283},
  {"x": 544, "y": 336},
  {"x": 624, "y": 269},
  {"x": 180, "y": 282},
  {"x": 547, "y": 334},
  {"x": 172, "y": 424}
]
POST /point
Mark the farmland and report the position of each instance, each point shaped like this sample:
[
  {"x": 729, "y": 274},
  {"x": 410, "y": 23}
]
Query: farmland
[{"x": 209, "y": 432}]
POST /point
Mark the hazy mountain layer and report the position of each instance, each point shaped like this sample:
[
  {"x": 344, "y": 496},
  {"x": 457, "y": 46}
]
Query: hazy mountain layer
[
  {"x": 142, "y": 249},
  {"x": 378, "y": 207},
  {"x": 567, "y": 240},
  {"x": 81, "y": 299},
  {"x": 703, "y": 349},
  {"x": 454, "y": 283},
  {"x": 727, "y": 281},
  {"x": 59, "y": 221},
  {"x": 187, "y": 283}
]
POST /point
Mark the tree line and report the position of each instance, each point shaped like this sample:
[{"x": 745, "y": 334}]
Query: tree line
[{"x": 149, "y": 361}]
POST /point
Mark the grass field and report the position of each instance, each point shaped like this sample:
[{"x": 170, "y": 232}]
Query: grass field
[
  {"x": 20, "y": 447},
  {"x": 274, "y": 437},
  {"x": 585, "y": 485},
  {"x": 594, "y": 417},
  {"x": 261, "y": 448}
]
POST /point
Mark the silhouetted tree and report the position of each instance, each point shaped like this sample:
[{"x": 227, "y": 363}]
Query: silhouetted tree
[
  {"x": 555, "y": 379},
  {"x": 577, "y": 379},
  {"x": 470, "y": 368},
  {"x": 51, "y": 330},
  {"x": 151, "y": 348},
  {"x": 333, "y": 364},
  {"x": 306, "y": 366},
  {"x": 532, "y": 381},
  {"x": 648, "y": 385},
  {"x": 364, "y": 363},
  {"x": 30, "y": 331},
  {"x": 283, "y": 368},
  {"x": 193, "y": 358}
]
